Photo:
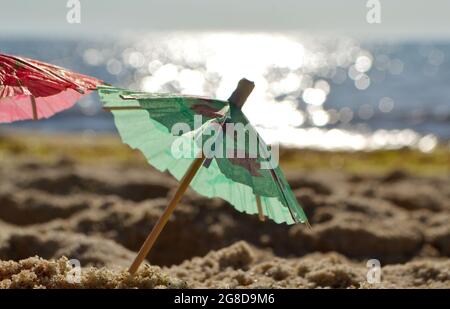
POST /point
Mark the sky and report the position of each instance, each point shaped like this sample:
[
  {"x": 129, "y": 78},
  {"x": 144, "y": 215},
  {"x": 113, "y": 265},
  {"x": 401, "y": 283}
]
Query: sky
[{"x": 409, "y": 19}]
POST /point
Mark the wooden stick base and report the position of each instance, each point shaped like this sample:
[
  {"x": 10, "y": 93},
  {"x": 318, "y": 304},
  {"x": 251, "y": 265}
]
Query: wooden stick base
[{"x": 151, "y": 238}]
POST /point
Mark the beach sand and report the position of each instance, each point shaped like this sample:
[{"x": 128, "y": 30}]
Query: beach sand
[{"x": 93, "y": 199}]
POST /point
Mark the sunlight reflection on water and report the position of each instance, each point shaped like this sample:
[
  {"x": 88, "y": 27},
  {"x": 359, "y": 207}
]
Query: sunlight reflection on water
[{"x": 294, "y": 78}]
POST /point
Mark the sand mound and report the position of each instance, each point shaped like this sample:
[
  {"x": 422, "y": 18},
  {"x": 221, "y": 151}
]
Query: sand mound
[
  {"x": 237, "y": 266},
  {"x": 93, "y": 251},
  {"x": 241, "y": 265},
  {"x": 101, "y": 213},
  {"x": 32, "y": 206},
  {"x": 36, "y": 272}
]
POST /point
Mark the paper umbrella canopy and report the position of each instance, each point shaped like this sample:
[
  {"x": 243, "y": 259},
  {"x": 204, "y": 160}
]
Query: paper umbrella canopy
[
  {"x": 249, "y": 182},
  {"x": 31, "y": 89}
]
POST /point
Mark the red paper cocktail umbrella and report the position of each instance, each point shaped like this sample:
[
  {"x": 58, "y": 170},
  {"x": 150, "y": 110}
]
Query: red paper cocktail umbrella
[{"x": 30, "y": 89}]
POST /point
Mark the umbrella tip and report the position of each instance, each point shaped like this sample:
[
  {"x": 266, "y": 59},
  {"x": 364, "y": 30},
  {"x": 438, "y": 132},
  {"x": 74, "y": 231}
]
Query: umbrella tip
[
  {"x": 246, "y": 82},
  {"x": 241, "y": 93}
]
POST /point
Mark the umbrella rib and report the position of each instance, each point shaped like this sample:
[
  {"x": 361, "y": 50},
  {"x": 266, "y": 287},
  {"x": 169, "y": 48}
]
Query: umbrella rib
[
  {"x": 34, "y": 107},
  {"x": 112, "y": 108},
  {"x": 281, "y": 186},
  {"x": 277, "y": 182},
  {"x": 260, "y": 210}
]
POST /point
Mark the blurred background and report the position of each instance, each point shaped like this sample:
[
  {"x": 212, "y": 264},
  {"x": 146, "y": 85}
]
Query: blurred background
[
  {"x": 363, "y": 110},
  {"x": 325, "y": 77}
]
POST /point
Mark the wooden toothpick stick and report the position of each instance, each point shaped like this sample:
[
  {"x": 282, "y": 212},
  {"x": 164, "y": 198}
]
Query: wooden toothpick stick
[
  {"x": 34, "y": 107},
  {"x": 260, "y": 210},
  {"x": 148, "y": 244}
]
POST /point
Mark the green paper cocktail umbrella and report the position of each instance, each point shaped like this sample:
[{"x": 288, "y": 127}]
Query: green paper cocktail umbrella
[{"x": 191, "y": 138}]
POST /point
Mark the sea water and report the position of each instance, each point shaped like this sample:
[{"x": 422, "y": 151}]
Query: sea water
[{"x": 334, "y": 93}]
